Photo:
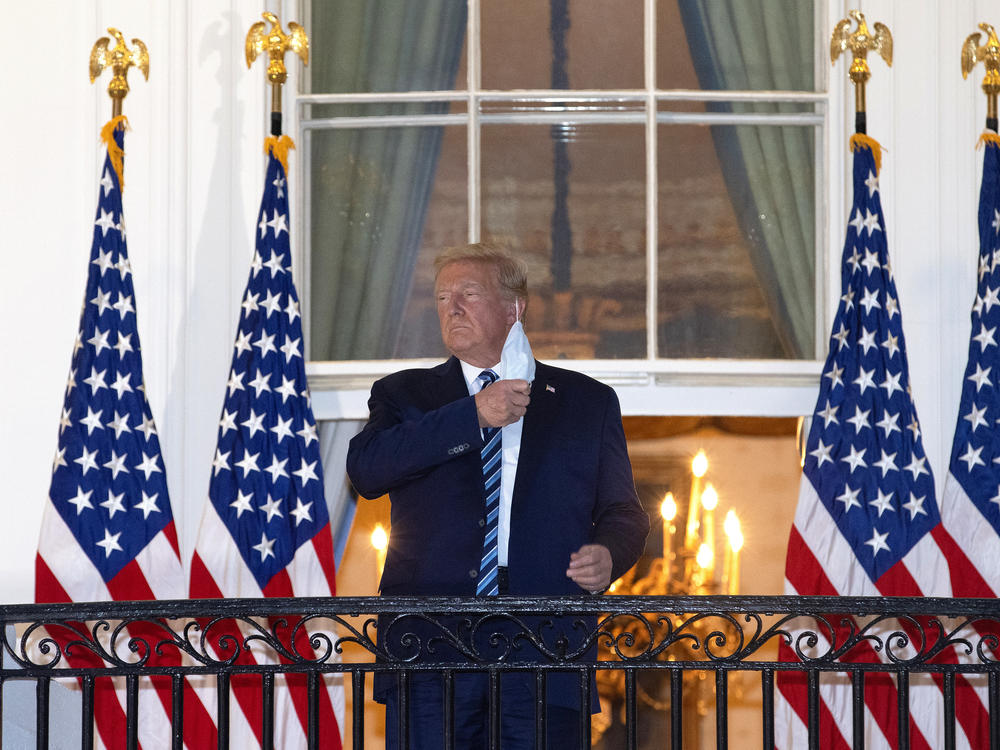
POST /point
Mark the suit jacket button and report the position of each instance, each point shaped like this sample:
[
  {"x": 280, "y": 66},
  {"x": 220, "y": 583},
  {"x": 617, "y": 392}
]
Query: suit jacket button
[
  {"x": 473, "y": 573},
  {"x": 482, "y": 522}
]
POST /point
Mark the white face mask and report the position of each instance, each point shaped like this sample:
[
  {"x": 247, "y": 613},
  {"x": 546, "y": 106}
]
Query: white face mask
[{"x": 516, "y": 358}]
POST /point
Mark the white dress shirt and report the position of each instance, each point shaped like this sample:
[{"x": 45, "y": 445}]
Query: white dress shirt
[{"x": 510, "y": 437}]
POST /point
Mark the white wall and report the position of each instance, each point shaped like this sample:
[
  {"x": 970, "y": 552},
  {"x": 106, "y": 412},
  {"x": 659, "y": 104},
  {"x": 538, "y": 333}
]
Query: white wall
[{"x": 193, "y": 178}]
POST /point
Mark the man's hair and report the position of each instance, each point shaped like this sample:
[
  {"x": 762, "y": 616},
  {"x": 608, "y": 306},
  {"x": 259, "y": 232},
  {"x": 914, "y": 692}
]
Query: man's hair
[{"x": 511, "y": 272}]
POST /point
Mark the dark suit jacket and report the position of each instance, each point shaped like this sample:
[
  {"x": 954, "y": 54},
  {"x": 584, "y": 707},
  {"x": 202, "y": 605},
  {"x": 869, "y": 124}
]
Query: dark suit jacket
[{"x": 573, "y": 486}]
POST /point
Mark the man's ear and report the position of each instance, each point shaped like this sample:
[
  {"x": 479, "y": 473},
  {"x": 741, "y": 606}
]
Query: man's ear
[{"x": 519, "y": 306}]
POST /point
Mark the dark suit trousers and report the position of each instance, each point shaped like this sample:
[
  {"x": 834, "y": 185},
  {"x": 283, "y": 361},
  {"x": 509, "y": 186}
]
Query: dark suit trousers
[{"x": 517, "y": 716}]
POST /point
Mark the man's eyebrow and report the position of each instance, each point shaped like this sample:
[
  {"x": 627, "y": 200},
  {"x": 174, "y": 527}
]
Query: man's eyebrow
[{"x": 461, "y": 287}]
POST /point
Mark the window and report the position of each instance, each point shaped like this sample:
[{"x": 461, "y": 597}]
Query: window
[{"x": 659, "y": 164}]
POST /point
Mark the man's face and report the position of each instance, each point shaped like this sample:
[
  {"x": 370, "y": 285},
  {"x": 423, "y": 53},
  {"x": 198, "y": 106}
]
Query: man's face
[{"x": 474, "y": 315}]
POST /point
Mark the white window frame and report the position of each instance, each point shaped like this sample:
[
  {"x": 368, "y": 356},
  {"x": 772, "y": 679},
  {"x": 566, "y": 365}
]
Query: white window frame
[{"x": 649, "y": 386}]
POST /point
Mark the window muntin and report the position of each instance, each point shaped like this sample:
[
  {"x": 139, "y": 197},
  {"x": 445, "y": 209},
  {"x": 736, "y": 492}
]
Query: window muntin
[{"x": 634, "y": 237}]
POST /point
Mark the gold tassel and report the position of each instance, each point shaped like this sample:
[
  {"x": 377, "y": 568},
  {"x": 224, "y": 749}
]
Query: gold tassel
[
  {"x": 279, "y": 146},
  {"x": 116, "y": 154},
  {"x": 988, "y": 137},
  {"x": 860, "y": 141}
]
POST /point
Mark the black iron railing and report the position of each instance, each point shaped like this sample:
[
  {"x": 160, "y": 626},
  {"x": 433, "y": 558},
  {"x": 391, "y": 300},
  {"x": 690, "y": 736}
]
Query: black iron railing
[{"x": 645, "y": 648}]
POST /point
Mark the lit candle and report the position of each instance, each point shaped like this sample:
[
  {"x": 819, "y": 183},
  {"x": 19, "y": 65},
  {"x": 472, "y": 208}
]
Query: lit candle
[
  {"x": 734, "y": 576},
  {"x": 668, "y": 510},
  {"x": 727, "y": 566},
  {"x": 705, "y": 557},
  {"x": 380, "y": 541},
  {"x": 709, "y": 499},
  {"x": 699, "y": 465},
  {"x": 734, "y": 535}
]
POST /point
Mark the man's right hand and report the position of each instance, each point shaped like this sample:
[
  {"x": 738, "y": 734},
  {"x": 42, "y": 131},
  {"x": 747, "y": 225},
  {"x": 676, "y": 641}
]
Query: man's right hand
[{"x": 502, "y": 403}]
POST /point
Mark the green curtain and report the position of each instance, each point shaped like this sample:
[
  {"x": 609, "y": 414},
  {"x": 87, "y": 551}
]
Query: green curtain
[
  {"x": 370, "y": 187},
  {"x": 769, "y": 170}
]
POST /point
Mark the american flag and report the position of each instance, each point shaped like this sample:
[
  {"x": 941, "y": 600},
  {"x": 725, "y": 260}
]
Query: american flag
[
  {"x": 266, "y": 528},
  {"x": 108, "y": 530},
  {"x": 970, "y": 506},
  {"x": 867, "y": 522}
]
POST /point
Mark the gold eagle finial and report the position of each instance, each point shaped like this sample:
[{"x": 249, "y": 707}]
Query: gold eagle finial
[
  {"x": 119, "y": 58},
  {"x": 276, "y": 42},
  {"x": 860, "y": 42},
  {"x": 989, "y": 54}
]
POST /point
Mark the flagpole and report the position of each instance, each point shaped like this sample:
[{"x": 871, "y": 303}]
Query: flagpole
[
  {"x": 989, "y": 54},
  {"x": 860, "y": 42},
  {"x": 108, "y": 530},
  {"x": 868, "y": 520},
  {"x": 276, "y": 42},
  {"x": 267, "y": 480},
  {"x": 119, "y": 58}
]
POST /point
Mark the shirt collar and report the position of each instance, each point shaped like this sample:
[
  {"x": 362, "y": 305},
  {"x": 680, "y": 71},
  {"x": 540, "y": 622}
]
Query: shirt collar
[{"x": 471, "y": 373}]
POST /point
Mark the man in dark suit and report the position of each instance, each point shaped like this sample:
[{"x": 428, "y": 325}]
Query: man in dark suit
[{"x": 562, "y": 517}]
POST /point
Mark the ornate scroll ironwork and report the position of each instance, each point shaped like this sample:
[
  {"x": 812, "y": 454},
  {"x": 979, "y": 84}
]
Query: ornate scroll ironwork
[
  {"x": 636, "y": 632},
  {"x": 641, "y": 648}
]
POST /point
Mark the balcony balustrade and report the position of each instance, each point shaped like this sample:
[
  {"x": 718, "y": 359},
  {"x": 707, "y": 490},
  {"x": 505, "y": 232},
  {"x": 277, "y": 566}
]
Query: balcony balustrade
[{"x": 642, "y": 650}]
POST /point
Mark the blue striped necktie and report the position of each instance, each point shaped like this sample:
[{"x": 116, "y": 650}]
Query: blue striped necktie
[{"x": 492, "y": 463}]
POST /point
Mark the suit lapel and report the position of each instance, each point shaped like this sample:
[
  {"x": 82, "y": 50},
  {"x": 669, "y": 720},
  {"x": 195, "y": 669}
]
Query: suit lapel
[
  {"x": 448, "y": 385},
  {"x": 536, "y": 428}
]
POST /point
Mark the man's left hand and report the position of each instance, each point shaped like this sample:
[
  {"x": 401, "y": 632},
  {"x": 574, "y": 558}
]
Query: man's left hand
[{"x": 590, "y": 567}]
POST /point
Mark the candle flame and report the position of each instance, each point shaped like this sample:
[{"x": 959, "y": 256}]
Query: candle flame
[
  {"x": 732, "y": 524},
  {"x": 668, "y": 508},
  {"x": 380, "y": 540},
  {"x": 733, "y": 531},
  {"x": 699, "y": 464},
  {"x": 736, "y": 540},
  {"x": 705, "y": 556},
  {"x": 709, "y": 498}
]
